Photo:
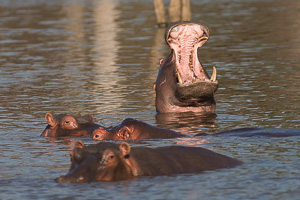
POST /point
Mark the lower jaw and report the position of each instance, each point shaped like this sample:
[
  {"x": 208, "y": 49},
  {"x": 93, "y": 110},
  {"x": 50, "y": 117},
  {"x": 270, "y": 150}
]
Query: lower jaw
[{"x": 198, "y": 91}]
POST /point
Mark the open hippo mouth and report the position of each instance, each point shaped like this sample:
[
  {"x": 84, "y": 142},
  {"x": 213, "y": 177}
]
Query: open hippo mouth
[{"x": 184, "y": 39}]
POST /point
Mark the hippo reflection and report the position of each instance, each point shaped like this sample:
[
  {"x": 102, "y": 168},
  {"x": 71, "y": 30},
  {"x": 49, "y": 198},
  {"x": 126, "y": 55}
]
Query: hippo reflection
[
  {"x": 182, "y": 83},
  {"x": 114, "y": 162}
]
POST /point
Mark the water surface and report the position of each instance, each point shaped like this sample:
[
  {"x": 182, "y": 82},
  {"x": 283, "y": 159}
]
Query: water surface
[{"x": 101, "y": 58}]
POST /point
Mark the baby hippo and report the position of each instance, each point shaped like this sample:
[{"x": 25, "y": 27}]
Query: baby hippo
[
  {"x": 69, "y": 125},
  {"x": 131, "y": 129},
  {"x": 115, "y": 162}
]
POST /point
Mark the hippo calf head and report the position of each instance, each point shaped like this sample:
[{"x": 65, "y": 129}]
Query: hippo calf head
[
  {"x": 123, "y": 131},
  {"x": 182, "y": 83}
]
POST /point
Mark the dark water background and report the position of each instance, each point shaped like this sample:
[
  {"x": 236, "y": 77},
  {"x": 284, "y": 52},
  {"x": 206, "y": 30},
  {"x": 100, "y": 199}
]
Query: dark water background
[{"x": 101, "y": 58}]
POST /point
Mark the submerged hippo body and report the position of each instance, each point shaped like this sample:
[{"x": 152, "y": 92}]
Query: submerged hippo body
[
  {"x": 69, "y": 125},
  {"x": 264, "y": 132},
  {"x": 114, "y": 162},
  {"x": 131, "y": 129},
  {"x": 182, "y": 83}
]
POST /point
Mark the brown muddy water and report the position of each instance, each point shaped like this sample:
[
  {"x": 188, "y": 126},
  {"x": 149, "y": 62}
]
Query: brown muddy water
[{"x": 101, "y": 58}]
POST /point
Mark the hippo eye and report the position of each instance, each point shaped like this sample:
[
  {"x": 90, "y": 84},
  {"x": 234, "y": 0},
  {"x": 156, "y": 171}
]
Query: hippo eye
[
  {"x": 111, "y": 157},
  {"x": 108, "y": 156},
  {"x": 67, "y": 122}
]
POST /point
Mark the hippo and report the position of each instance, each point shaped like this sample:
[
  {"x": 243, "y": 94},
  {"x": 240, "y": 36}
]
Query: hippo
[
  {"x": 108, "y": 161},
  {"x": 182, "y": 83},
  {"x": 69, "y": 125},
  {"x": 131, "y": 129}
]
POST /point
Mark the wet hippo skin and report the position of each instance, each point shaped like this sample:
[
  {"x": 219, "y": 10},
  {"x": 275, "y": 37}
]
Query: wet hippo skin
[
  {"x": 69, "y": 125},
  {"x": 114, "y": 162},
  {"x": 182, "y": 83},
  {"x": 131, "y": 129}
]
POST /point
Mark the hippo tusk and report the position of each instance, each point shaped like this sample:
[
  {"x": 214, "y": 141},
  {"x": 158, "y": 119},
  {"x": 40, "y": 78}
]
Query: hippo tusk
[
  {"x": 179, "y": 77},
  {"x": 214, "y": 74},
  {"x": 203, "y": 38}
]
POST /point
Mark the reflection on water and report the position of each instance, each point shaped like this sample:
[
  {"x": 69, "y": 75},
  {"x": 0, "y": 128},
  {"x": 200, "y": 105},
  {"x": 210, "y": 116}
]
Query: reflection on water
[
  {"x": 187, "y": 122},
  {"x": 101, "y": 58}
]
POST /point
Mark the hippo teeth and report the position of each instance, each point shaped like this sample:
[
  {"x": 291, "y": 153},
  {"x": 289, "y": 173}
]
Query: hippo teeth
[
  {"x": 179, "y": 77},
  {"x": 194, "y": 79},
  {"x": 185, "y": 40},
  {"x": 214, "y": 74}
]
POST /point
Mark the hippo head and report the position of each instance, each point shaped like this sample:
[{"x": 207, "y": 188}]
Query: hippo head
[
  {"x": 101, "y": 162},
  {"x": 123, "y": 131},
  {"x": 182, "y": 83},
  {"x": 69, "y": 125}
]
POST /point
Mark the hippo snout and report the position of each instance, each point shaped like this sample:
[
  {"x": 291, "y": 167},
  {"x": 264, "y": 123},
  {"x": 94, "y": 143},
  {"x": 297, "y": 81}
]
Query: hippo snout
[
  {"x": 68, "y": 179},
  {"x": 99, "y": 134},
  {"x": 61, "y": 179}
]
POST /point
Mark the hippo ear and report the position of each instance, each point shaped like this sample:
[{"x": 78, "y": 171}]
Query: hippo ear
[
  {"x": 125, "y": 149},
  {"x": 126, "y": 133},
  {"x": 75, "y": 154},
  {"x": 91, "y": 119},
  {"x": 154, "y": 86},
  {"x": 161, "y": 61},
  {"x": 79, "y": 144},
  {"x": 50, "y": 120}
]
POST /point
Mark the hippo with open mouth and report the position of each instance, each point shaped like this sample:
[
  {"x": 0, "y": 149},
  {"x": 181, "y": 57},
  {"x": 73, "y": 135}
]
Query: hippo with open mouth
[{"x": 182, "y": 83}]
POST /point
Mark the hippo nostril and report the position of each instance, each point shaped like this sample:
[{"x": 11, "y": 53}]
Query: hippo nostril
[
  {"x": 80, "y": 179},
  {"x": 96, "y": 136}
]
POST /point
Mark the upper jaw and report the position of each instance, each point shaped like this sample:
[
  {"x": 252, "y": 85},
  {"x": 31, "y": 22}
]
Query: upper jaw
[{"x": 185, "y": 38}]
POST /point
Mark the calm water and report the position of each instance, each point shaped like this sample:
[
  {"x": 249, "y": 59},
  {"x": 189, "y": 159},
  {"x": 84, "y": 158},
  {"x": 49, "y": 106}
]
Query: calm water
[{"x": 101, "y": 58}]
